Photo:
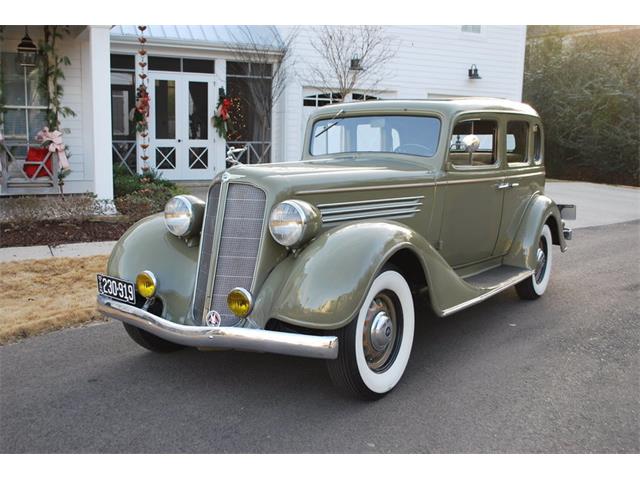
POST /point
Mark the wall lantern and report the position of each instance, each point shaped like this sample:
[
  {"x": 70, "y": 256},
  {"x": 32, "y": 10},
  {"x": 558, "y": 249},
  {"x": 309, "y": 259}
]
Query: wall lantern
[
  {"x": 473, "y": 73},
  {"x": 355, "y": 64},
  {"x": 27, "y": 51}
]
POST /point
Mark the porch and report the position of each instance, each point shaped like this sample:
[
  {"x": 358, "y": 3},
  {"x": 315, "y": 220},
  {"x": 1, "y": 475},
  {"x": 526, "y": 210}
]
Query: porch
[
  {"x": 188, "y": 68},
  {"x": 26, "y": 106}
]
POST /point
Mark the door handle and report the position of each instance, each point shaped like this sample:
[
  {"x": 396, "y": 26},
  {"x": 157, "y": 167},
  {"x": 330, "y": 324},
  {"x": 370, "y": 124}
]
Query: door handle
[{"x": 504, "y": 186}]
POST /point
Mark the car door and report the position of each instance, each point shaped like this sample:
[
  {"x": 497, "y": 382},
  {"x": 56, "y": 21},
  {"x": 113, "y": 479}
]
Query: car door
[
  {"x": 473, "y": 193},
  {"x": 524, "y": 174}
]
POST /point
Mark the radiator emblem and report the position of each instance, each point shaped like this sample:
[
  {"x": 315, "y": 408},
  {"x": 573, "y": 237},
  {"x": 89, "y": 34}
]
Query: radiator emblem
[{"x": 214, "y": 319}]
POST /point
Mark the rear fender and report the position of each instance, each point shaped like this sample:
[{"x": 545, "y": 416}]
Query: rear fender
[{"x": 541, "y": 210}]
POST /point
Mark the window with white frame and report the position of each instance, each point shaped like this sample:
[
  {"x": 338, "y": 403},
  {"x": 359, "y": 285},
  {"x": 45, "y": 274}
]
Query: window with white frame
[
  {"x": 25, "y": 109},
  {"x": 472, "y": 28},
  {"x": 322, "y": 99}
]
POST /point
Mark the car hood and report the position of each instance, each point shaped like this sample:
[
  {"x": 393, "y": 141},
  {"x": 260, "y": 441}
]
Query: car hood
[{"x": 291, "y": 178}]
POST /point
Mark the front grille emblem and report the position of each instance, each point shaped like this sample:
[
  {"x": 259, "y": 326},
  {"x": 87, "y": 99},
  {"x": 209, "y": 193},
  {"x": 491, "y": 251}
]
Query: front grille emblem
[{"x": 214, "y": 319}]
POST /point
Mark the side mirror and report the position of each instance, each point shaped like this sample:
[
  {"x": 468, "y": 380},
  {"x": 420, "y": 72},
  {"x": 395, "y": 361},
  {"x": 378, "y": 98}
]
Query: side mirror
[{"x": 471, "y": 143}]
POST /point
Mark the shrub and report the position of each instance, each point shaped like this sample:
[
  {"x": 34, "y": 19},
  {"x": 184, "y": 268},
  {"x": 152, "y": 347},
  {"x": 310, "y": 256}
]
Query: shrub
[
  {"x": 586, "y": 91},
  {"x": 138, "y": 196}
]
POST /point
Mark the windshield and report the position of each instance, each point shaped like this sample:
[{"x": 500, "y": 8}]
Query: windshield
[{"x": 411, "y": 135}]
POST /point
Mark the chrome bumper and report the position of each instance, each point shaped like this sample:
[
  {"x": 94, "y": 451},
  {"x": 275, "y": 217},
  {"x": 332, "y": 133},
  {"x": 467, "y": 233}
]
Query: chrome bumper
[{"x": 236, "y": 338}]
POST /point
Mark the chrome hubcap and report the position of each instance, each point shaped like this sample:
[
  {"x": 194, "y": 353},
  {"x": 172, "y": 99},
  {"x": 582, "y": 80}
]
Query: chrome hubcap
[
  {"x": 380, "y": 331},
  {"x": 541, "y": 261}
]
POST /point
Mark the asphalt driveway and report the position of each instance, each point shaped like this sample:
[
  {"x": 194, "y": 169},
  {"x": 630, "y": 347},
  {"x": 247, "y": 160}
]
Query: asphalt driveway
[{"x": 556, "y": 375}]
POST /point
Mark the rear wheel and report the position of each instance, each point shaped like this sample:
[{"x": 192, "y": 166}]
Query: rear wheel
[
  {"x": 374, "y": 348},
  {"x": 534, "y": 286},
  {"x": 150, "y": 341}
]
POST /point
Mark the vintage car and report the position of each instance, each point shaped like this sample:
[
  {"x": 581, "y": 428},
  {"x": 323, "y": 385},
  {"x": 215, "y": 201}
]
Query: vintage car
[{"x": 324, "y": 257}]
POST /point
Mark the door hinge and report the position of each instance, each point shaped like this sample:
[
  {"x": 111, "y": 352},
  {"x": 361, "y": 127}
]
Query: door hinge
[{"x": 439, "y": 245}]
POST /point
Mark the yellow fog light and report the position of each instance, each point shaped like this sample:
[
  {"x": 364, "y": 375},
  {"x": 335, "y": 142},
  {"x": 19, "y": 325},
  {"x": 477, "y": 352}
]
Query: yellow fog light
[
  {"x": 146, "y": 284},
  {"x": 240, "y": 302}
]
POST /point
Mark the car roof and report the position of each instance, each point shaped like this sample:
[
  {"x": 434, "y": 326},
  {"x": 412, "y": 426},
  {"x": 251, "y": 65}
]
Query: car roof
[{"x": 450, "y": 106}]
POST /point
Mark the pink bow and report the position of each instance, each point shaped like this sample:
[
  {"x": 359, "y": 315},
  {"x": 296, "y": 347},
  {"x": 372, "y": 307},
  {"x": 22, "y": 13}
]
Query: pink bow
[{"x": 55, "y": 145}]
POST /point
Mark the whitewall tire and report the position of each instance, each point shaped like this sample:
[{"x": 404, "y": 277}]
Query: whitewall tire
[
  {"x": 535, "y": 286},
  {"x": 374, "y": 348}
]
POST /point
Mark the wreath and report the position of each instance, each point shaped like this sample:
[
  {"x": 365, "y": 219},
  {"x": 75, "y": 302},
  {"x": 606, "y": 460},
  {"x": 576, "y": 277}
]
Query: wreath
[{"x": 221, "y": 115}]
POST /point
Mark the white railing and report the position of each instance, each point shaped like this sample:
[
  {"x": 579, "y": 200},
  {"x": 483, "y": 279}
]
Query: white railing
[
  {"x": 256, "y": 152},
  {"x": 124, "y": 153},
  {"x": 20, "y": 176}
]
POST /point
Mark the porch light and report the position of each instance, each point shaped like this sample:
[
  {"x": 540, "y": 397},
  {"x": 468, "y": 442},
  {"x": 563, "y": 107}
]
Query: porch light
[
  {"x": 27, "y": 50},
  {"x": 355, "y": 64},
  {"x": 473, "y": 73}
]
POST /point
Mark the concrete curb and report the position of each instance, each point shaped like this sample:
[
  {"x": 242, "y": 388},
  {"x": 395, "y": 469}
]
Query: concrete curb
[{"x": 39, "y": 252}]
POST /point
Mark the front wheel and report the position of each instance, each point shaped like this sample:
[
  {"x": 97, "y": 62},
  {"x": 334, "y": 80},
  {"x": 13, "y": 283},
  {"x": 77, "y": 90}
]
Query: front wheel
[
  {"x": 374, "y": 348},
  {"x": 150, "y": 341},
  {"x": 534, "y": 286}
]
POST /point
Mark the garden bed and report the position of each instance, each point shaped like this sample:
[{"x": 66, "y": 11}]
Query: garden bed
[{"x": 56, "y": 232}]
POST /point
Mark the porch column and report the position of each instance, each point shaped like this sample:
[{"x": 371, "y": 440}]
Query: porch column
[{"x": 96, "y": 111}]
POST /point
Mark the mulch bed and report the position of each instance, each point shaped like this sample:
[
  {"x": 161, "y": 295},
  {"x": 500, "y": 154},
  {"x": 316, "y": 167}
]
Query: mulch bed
[{"x": 43, "y": 232}]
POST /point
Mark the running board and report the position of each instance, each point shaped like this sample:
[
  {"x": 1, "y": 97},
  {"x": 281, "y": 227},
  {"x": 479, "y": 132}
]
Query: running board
[{"x": 490, "y": 283}]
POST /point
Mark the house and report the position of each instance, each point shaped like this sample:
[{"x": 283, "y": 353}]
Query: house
[{"x": 185, "y": 68}]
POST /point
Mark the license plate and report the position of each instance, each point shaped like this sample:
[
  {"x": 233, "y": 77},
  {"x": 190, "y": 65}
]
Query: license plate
[{"x": 116, "y": 288}]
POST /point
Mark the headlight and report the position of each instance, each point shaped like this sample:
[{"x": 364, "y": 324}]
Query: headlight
[
  {"x": 183, "y": 215},
  {"x": 293, "y": 222}
]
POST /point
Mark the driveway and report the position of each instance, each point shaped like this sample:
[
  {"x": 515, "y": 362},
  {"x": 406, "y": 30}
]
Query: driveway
[{"x": 559, "y": 374}]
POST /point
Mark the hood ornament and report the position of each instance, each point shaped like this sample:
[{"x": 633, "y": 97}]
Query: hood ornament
[{"x": 226, "y": 176}]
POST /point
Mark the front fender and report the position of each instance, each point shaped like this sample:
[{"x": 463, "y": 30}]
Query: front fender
[
  {"x": 323, "y": 287},
  {"x": 541, "y": 210},
  {"x": 148, "y": 245}
]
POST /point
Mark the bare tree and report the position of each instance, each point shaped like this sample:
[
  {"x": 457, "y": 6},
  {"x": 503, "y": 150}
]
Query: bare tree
[
  {"x": 267, "y": 56},
  {"x": 353, "y": 57}
]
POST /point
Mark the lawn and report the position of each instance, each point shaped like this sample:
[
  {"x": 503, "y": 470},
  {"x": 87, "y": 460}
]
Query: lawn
[{"x": 44, "y": 295}]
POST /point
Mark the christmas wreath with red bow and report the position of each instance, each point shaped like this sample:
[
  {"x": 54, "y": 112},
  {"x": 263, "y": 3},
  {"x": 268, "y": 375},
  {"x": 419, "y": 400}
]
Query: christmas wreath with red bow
[{"x": 222, "y": 114}]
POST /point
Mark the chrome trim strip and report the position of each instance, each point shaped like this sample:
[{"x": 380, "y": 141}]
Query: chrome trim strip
[
  {"x": 255, "y": 340},
  {"x": 200, "y": 246},
  {"x": 358, "y": 202},
  {"x": 473, "y": 180},
  {"x": 366, "y": 208},
  {"x": 358, "y": 189},
  {"x": 502, "y": 286},
  {"x": 358, "y": 216},
  {"x": 217, "y": 232}
]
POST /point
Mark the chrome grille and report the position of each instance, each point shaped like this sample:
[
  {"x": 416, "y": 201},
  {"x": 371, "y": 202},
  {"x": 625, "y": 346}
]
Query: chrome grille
[
  {"x": 206, "y": 248},
  {"x": 383, "y": 208},
  {"x": 239, "y": 245}
]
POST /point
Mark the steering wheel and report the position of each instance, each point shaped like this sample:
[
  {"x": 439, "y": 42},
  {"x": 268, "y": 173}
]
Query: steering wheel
[{"x": 412, "y": 149}]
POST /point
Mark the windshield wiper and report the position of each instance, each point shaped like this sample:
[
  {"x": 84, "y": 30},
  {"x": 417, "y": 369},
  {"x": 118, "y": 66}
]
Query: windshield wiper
[{"x": 340, "y": 112}]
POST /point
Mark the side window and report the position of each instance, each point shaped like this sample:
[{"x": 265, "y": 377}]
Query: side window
[
  {"x": 517, "y": 137},
  {"x": 485, "y": 155},
  {"x": 537, "y": 145}
]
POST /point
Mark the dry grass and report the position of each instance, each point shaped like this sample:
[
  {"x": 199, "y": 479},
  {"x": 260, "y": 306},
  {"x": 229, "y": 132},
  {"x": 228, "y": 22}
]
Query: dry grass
[{"x": 38, "y": 296}]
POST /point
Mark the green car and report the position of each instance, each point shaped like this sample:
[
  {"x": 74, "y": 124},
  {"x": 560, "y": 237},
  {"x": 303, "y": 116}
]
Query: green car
[{"x": 325, "y": 257}]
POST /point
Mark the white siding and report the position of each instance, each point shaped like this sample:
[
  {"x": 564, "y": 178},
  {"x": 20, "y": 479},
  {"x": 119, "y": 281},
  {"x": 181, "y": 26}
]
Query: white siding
[
  {"x": 431, "y": 60},
  {"x": 79, "y": 180}
]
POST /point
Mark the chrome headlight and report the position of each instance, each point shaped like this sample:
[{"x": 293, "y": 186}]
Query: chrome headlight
[
  {"x": 293, "y": 222},
  {"x": 183, "y": 215}
]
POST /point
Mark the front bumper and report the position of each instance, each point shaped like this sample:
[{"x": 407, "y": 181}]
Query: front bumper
[{"x": 255, "y": 340}]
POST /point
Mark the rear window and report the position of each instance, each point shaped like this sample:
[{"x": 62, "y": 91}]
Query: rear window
[{"x": 410, "y": 135}]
